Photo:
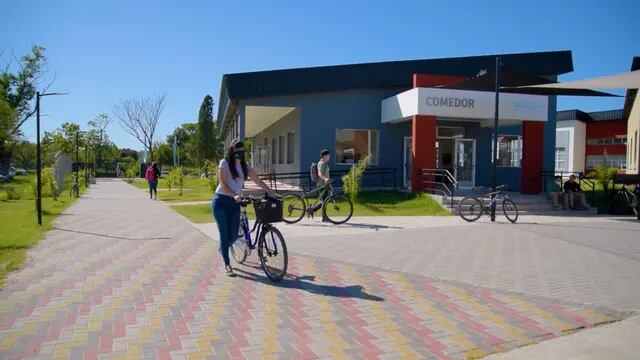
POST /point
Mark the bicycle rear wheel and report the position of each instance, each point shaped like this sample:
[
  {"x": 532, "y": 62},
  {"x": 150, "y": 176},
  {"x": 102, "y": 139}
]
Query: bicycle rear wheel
[
  {"x": 470, "y": 209},
  {"x": 272, "y": 252},
  {"x": 294, "y": 208},
  {"x": 510, "y": 210},
  {"x": 338, "y": 209},
  {"x": 239, "y": 249}
]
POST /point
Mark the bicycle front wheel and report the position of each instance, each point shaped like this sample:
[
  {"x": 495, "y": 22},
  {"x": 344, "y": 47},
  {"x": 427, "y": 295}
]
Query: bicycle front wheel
[
  {"x": 510, "y": 210},
  {"x": 338, "y": 209},
  {"x": 470, "y": 209},
  {"x": 294, "y": 208},
  {"x": 272, "y": 252},
  {"x": 239, "y": 248}
]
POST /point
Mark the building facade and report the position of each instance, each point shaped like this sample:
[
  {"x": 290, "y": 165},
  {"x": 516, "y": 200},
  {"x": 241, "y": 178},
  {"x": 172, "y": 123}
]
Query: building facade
[
  {"x": 585, "y": 140},
  {"x": 632, "y": 114},
  {"x": 395, "y": 113}
]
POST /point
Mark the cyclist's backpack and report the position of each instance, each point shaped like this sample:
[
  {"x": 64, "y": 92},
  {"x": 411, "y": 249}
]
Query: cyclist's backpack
[{"x": 314, "y": 172}]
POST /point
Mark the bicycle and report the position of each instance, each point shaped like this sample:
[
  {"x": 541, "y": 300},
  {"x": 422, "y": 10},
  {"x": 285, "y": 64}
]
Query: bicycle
[
  {"x": 75, "y": 187},
  {"x": 471, "y": 208},
  {"x": 337, "y": 208},
  {"x": 272, "y": 249},
  {"x": 630, "y": 197}
]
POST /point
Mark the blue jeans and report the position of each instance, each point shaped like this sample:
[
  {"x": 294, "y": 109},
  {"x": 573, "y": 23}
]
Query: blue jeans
[{"x": 226, "y": 211}]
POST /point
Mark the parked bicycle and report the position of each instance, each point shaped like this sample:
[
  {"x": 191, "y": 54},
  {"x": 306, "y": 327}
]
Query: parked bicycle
[
  {"x": 337, "y": 208},
  {"x": 471, "y": 208},
  {"x": 630, "y": 197},
  {"x": 272, "y": 249}
]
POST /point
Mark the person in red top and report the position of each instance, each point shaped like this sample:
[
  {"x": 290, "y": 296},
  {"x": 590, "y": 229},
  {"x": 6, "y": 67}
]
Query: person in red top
[{"x": 152, "y": 174}]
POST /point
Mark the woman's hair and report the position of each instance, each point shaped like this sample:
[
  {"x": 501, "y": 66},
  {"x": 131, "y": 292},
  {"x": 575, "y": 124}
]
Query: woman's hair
[
  {"x": 231, "y": 160},
  {"x": 154, "y": 165}
]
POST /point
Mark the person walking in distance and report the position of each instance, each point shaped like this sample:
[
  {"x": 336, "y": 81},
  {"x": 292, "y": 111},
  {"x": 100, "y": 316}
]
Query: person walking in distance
[
  {"x": 232, "y": 172},
  {"x": 324, "y": 178},
  {"x": 151, "y": 175}
]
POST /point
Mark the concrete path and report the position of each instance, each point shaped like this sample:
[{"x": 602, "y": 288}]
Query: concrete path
[{"x": 123, "y": 276}]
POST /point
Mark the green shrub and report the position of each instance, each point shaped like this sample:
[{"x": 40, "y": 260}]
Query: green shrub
[
  {"x": 177, "y": 176},
  {"x": 604, "y": 175},
  {"x": 49, "y": 185},
  {"x": 3, "y": 195},
  {"x": 11, "y": 193},
  {"x": 210, "y": 170},
  {"x": 352, "y": 180}
]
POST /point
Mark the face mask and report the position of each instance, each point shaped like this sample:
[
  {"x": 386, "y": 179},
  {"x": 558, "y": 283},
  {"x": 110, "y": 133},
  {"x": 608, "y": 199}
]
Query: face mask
[{"x": 239, "y": 154}]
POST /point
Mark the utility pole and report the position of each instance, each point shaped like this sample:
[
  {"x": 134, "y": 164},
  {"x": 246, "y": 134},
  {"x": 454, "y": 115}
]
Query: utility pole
[{"x": 494, "y": 154}]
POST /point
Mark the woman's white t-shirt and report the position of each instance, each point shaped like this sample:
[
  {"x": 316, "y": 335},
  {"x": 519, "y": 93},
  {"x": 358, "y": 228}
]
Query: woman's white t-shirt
[{"x": 236, "y": 184}]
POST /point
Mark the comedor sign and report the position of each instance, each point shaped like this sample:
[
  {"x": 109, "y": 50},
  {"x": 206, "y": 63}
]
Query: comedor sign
[{"x": 450, "y": 101}]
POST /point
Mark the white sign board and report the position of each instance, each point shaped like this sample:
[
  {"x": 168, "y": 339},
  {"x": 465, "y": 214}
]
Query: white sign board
[{"x": 463, "y": 104}]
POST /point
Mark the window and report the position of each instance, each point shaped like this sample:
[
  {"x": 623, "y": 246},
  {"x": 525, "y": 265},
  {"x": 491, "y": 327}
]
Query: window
[
  {"x": 450, "y": 132},
  {"x": 353, "y": 145},
  {"x": 273, "y": 151},
  {"x": 619, "y": 161},
  {"x": 291, "y": 138},
  {"x": 607, "y": 141},
  {"x": 509, "y": 150},
  {"x": 561, "y": 159},
  {"x": 280, "y": 150}
]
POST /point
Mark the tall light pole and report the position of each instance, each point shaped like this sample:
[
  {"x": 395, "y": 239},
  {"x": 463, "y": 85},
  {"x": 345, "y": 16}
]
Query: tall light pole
[
  {"x": 494, "y": 154},
  {"x": 39, "y": 157}
]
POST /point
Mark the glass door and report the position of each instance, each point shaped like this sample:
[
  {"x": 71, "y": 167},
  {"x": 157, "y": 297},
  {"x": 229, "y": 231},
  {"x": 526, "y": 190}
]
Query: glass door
[
  {"x": 465, "y": 162},
  {"x": 408, "y": 156}
]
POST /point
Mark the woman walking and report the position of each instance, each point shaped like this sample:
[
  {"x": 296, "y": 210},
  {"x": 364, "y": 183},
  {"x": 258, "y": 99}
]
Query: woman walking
[
  {"x": 233, "y": 170},
  {"x": 152, "y": 174}
]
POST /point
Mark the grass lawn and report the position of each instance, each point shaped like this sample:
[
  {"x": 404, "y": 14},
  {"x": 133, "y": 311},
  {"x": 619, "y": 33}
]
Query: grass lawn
[
  {"x": 194, "y": 189},
  {"x": 18, "y": 222},
  {"x": 382, "y": 203}
]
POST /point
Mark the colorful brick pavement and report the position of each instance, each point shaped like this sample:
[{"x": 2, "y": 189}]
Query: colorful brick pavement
[{"x": 88, "y": 294}]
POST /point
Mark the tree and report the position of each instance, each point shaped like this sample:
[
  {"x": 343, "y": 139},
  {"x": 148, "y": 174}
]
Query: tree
[
  {"x": 62, "y": 139},
  {"x": 24, "y": 154},
  {"x": 186, "y": 136},
  {"x": 163, "y": 153},
  {"x": 139, "y": 118},
  {"x": 604, "y": 175},
  {"x": 99, "y": 137},
  {"x": 126, "y": 152},
  {"x": 205, "y": 143},
  {"x": 17, "y": 91}
]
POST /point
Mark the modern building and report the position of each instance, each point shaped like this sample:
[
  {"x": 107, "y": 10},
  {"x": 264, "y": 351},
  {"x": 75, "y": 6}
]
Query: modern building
[
  {"x": 632, "y": 114},
  {"x": 585, "y": 140},
  {"x": 396, "y": 113}
]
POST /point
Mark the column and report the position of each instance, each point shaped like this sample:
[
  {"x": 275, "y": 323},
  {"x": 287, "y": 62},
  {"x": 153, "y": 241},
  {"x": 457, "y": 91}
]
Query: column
[
  {"x": 532, "y": 155},
  {"x": 423, "y": 138}
]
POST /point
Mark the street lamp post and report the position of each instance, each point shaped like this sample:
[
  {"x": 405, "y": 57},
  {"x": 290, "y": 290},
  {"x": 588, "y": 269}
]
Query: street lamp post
[
  {"x": 39, "y": 156},
  {"x": 494, "y": 154}
]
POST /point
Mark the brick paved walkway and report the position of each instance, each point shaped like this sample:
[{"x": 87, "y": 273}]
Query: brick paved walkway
[{"x": 125, "y": 277}]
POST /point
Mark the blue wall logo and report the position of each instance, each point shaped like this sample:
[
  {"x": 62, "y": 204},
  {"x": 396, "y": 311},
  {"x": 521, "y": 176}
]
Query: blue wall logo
[{"x": 526, "y": 106}]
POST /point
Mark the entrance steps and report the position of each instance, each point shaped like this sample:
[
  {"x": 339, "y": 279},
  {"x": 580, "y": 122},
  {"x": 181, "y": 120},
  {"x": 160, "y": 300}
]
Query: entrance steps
[{"x": 526, "y": 204}]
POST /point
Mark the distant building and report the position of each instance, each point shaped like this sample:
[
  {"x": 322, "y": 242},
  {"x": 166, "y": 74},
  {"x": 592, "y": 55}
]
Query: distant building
[
  {"x": 585, "y": 140},
  {"x": 395, "y": 113},
  {"x": 632, "y": 114}
]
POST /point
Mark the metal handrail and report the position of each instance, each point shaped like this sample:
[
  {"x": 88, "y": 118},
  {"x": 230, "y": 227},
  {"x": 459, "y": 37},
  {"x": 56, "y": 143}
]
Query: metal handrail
[
  {"x": 446, "y": 176},
  {"x": 381, "y": 172}
]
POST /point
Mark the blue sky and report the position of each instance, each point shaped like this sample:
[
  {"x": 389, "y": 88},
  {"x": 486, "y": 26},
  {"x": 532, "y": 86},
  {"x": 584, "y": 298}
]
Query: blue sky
[{"x": 103, "y": 52}]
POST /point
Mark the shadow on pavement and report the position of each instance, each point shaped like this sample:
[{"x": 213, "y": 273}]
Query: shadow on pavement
[
  {"x": 352, "y": 225},
  {"x": 110, "y": 236},
  {"x": 306, "y": 283}
]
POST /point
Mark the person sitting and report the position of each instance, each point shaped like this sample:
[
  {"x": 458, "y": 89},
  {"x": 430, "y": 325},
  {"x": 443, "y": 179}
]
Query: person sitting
[
  {"x": 574, "y": 197},
  {"x": 554, "y": 191}
]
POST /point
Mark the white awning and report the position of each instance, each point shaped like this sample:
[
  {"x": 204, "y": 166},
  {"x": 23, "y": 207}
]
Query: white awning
[
  {"x": 463, "y": 105},
  {"x": 626, "y": 80}
]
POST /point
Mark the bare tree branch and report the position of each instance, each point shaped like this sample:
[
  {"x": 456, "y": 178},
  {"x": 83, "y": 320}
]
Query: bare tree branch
[{"x": 139, "y": 118}]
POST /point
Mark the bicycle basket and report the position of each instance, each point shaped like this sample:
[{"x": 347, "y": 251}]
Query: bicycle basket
[{"x": 268, "y": 210}]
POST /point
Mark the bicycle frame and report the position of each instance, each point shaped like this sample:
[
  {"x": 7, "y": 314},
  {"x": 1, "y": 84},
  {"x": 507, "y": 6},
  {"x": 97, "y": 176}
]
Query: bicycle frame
[
  {"x": 493, "y": 199},
  {"x": 316, "y": 192},
  {"x": 258, "y": 228}
]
